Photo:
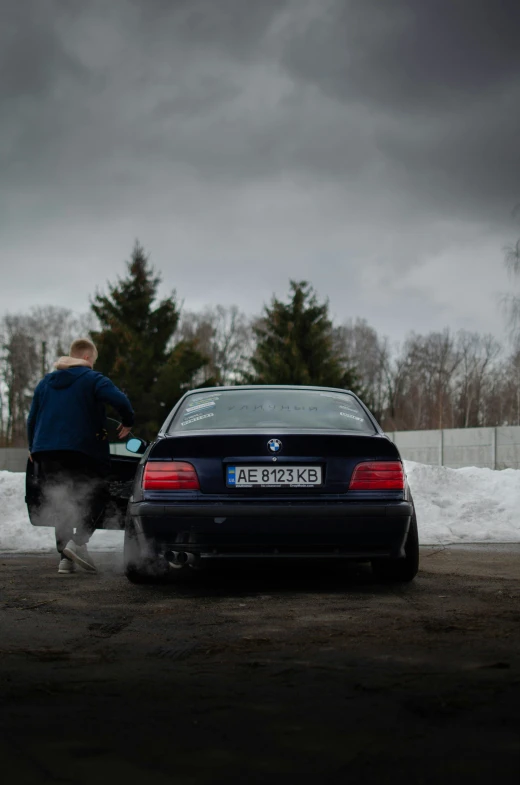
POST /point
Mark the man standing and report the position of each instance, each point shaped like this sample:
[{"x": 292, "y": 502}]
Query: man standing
[{"x": 69, "y": 446}]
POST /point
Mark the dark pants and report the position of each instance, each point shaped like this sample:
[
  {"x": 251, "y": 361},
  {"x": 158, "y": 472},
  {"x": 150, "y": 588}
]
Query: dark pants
[{"x": 74, "y": 494}]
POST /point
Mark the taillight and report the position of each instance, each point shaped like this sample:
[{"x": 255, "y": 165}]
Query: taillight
[
  {"x": 170, "y": 476},
  {"x": 378, "y": 476}
]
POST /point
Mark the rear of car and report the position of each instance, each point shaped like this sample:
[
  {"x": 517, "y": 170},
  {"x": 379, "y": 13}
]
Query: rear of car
[{"x": 269, "y": 473}]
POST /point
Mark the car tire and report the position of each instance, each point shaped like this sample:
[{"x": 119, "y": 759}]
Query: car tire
[
  {"x": 141, "y": 561},
  {"x": 400, "y": 570}
]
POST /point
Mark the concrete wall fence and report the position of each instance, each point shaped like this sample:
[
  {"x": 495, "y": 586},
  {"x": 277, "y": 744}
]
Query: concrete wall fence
[
  {"x": 492, "y": 448},
  {"x": 13, "y": 459}
]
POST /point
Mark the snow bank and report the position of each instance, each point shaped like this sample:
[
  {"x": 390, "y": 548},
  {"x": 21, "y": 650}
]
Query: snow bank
[
  {"x": 17, "y": 532},
  {"x": 465, "y": 505},
  {"x": 453, "y": 506}
]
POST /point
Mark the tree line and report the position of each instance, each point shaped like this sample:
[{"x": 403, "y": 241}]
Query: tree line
[{"x": 155, "y": 351}]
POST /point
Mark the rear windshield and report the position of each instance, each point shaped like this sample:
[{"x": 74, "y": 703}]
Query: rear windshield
[{"x": 271, "y": 408}]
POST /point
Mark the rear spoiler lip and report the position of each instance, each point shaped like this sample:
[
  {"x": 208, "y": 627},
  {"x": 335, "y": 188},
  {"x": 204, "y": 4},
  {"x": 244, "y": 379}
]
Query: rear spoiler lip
[
  {"x": 268, "y": 431},
  {"x": 184, "y": 446}
]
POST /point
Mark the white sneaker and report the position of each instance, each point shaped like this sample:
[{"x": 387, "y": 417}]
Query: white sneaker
[
  {"x": 80, "y": 555},
  {"x": 66, "y": 567}
]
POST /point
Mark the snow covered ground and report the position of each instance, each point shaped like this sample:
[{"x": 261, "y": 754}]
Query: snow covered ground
[
  {"x": 465, "y": 505},
  {"x": 453, "y": 506}
]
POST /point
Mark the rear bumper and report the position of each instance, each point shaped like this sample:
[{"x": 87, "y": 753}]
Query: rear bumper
[
  {"x": 236, "y": 530},
  {"x": 175, "y": 510}
]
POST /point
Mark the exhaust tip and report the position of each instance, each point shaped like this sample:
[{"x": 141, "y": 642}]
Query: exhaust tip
[{"x": 178, "y": 559}]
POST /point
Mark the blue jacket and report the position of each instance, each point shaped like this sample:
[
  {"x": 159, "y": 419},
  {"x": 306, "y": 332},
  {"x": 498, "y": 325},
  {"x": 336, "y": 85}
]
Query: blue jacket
[{"x": 68, "y": 412}]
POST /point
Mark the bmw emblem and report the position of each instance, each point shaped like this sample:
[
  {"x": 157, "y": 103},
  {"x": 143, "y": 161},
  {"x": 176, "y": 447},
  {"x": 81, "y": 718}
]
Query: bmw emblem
[{"x": 274, "y": 445}]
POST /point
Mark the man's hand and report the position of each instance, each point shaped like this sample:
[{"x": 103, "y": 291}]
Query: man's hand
[
  {"x": 31, "y": 458},
  {"x": 123, "y": 431}
]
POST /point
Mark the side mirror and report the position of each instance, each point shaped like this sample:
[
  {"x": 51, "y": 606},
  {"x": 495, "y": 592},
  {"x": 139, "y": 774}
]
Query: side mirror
[{"x": 136, "y": 445}]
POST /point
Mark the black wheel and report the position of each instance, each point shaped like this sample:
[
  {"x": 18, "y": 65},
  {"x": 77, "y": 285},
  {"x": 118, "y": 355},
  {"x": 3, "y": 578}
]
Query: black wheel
[
  {"x": 401, "y": 570},
  {"x": 141, "y": 561}
]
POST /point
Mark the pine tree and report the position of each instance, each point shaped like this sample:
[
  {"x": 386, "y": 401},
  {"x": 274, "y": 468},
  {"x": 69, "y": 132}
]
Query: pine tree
[
  {"x": 295, "y": 344},
  {"x": 135, "y": 344}
]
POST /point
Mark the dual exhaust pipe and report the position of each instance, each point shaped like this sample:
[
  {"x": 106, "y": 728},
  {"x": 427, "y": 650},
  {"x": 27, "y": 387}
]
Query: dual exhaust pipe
[{"x": 178, "y": 559}]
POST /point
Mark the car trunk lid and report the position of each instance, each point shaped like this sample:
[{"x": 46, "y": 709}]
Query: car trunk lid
[{"x": 212, "y": 454}]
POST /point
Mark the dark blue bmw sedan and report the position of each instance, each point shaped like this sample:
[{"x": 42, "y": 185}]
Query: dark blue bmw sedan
[{"x": 269, "y": 472}]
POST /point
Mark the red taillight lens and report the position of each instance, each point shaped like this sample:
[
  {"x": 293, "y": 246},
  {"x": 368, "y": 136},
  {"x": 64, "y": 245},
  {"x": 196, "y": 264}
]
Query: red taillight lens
[
  {"x": 170, "y": 476},
  {"x": 378, "y": 476}
]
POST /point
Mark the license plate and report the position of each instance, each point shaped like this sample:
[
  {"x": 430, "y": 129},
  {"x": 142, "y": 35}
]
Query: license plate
[{"x": 273, "y": 476}]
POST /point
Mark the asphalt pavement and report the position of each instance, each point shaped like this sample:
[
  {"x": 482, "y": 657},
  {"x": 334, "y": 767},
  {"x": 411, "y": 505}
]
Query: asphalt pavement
[{"x": 244, "y": 675}]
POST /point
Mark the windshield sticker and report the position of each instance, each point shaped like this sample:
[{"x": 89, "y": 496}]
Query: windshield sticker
[
  {"x": 335, "y": 396},
  {"x": 202, "y": 399},
  {"x": 198, "y": 401},
  {"x": 272, "y": 407},
  {"x": 197, "y": 418},
  {"x": 195, "y": 407},
  {"x": 352, "y": 416}
]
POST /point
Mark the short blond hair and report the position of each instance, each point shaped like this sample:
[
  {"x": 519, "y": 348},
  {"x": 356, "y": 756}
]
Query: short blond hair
[{"x": 82, "y": 346}]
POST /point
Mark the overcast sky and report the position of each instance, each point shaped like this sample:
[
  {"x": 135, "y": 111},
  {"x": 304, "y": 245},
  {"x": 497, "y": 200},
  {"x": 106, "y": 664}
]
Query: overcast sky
[{"x": 371, "y": 147}]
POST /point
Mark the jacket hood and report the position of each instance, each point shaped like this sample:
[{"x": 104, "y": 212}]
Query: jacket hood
[
  {"x": 64, "y": 363},
  {"x": 60, "y": 379}
]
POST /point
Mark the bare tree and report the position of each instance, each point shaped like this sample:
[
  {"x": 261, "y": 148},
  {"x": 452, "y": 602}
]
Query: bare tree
[
  {"x": 225, "y": 336},
  {"x": 420, "y": 382},
  {"x": 30, "y": 344},
  {"x": 511, "y": 302},
  {"x": 55, "y": 329},
  {"x": 476, "y": 375},
  {"x": 368, "y": 353},
  {"x": 19, "y": 361},
  {"x": 502, "y": 399},
  {"x": 401, "y": 391}
]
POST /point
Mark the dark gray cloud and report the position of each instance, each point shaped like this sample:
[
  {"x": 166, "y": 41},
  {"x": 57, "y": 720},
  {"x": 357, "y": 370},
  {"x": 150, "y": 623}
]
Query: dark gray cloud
[
  {"x": 443, "y": 81},
  {"x": 357, "y": 143},
  {"x": 32, "y": 55},
  {"x": 235, "y": 26},
  {"x": 425, "y": 57}
]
